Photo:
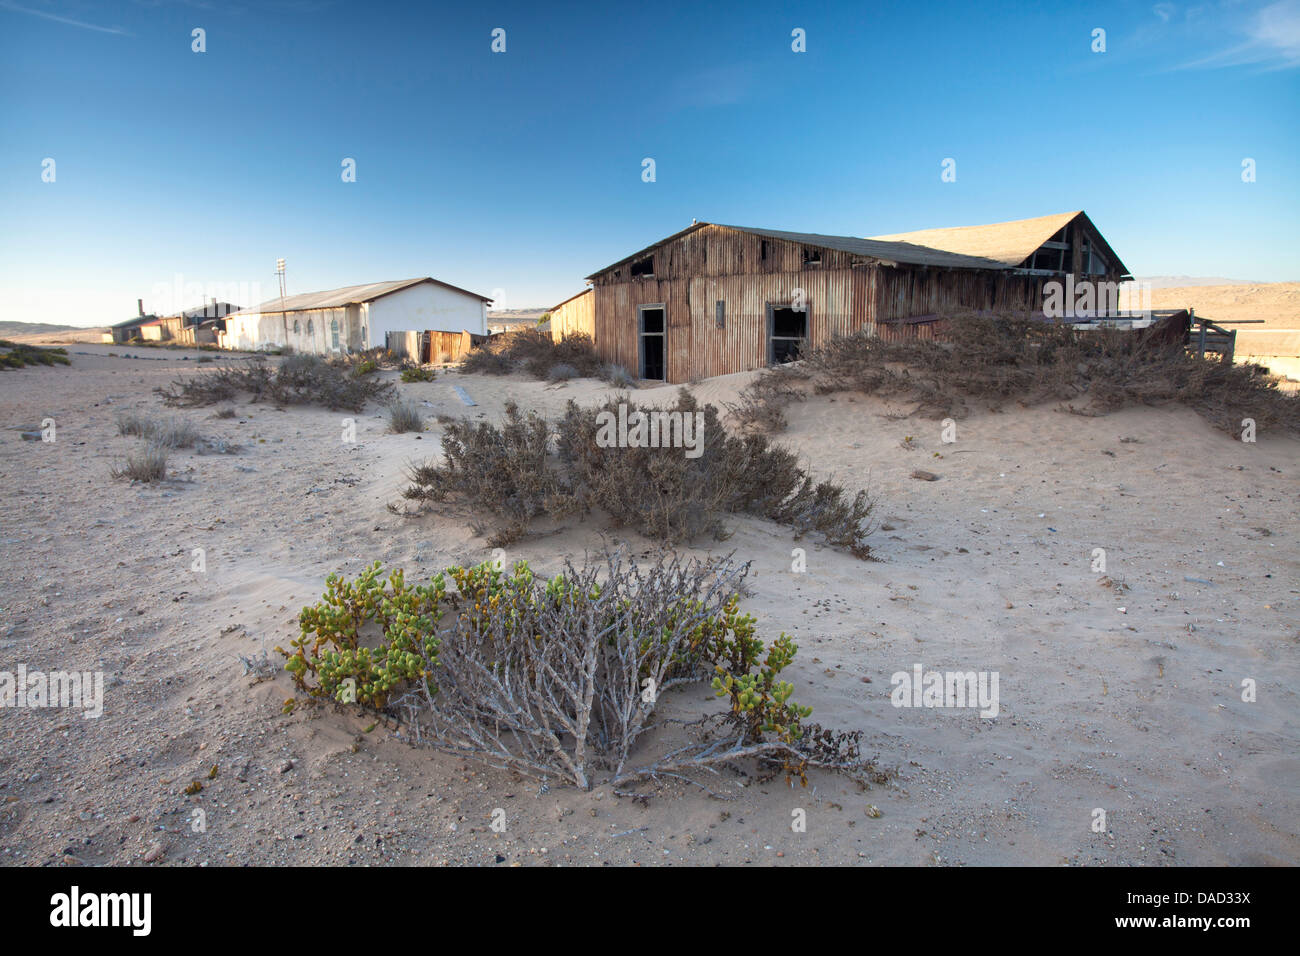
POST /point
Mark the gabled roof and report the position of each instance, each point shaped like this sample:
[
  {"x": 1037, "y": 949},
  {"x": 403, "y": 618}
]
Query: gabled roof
[
  {"x": 906, "y": 252},
  {"x": 1010, "y": 243},
  {"x": 134, "y": 321},
  {"x": 348, "y": 295},
  {"x": 213, "y": 310}
]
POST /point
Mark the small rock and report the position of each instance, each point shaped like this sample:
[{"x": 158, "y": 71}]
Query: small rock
[{"x": 154, "y": 853}]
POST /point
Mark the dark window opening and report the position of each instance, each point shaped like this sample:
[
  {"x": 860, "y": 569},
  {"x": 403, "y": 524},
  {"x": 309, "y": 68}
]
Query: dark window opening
[
  {"x": 788, "y": 333},
  {"x": 811, "y": 256},
  {"x": 646, "y": 267},
  {"x": 720, "y": 314},
  {"x": 762, "y": 250}
]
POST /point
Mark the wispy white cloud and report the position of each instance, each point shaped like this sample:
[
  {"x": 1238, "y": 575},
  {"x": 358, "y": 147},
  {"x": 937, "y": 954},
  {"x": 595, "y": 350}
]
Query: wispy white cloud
[
  {"x": 9, "y": 5},
  {"x": 1268, "y": 38}
]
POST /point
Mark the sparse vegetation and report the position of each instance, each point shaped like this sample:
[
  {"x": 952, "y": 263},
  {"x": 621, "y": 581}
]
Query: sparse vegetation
[
  {"x": 549, "y": 678},
  {"x": 16, "y": 355},
  {"x": 561, "y": 373},
  {"x": 296, "y": 380},
  {"x": 532, "y": 350},
  {"x": 670, "y": 496},
  {"x": 617, "y": 375},
  {"x": 405, "y": 417},
  {"x": 509, "y": 472},
  {"x": 504, "y": 471},
  {"x": 165, "y": 432},
  {"x": 147, "y": 464},
  {"x": 418, "y": 373},
  {"x": 999, "y": 359}
]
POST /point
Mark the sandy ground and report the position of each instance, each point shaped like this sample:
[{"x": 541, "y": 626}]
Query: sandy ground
[{"x": 1125, "y": 699}]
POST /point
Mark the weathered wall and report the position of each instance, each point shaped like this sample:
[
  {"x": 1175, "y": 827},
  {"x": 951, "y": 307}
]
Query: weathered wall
[
  {"x": 843, "y": 293},
  {"x": 576, "y": 316},
  {"x": 305, "y": 331}
]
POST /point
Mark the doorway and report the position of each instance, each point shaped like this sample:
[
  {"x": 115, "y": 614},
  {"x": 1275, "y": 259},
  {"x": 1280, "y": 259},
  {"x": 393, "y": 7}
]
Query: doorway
[{"x": 650, "y": 335}]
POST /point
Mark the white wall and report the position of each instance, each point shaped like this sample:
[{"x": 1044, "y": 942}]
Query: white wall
[
  {"x": 421, "y": 308},
  {"x": 255, "y": 331}
]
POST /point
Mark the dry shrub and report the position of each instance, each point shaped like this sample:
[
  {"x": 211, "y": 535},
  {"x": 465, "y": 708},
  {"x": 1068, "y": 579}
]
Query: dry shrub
[
  {"x": 763, "y": 401},
  {"x": 616, "y": 375},
  {"x": 531, "y": 350},
  {"x": 502, "y": 471},
  {"x": 561, "y": 373},
  {"x": 297, "y": 380},
  {"x": 662, "y": 492},
  {"x": 147, "y": 464},
  {"x": 995, "y": 359},
  {"x": 167, "y": 432},
  {"x": 559, "y": 678},
  {"x": 669, "y": 496},
  {"x": 405, "y": 417}
]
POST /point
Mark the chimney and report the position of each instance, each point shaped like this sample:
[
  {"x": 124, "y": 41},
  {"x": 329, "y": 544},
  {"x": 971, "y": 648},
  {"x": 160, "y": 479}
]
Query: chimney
[{"x": 139, "y": 304}]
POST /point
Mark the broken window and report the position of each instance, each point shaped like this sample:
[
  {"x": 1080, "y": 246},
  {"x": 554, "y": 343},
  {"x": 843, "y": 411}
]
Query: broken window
[
  {"x": 787, "y": 332},
  {"x": 720, "y": 314},
  {"x": 812, "y": 256},
  {"x": 1093, "y": 263},
  {"x": 646, "y": 267}
]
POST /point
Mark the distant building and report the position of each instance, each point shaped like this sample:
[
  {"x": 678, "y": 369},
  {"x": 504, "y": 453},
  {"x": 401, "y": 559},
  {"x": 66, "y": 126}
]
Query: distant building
[
  {"x": 129, "y": 330},
  {"x": 357, "y": 317}
]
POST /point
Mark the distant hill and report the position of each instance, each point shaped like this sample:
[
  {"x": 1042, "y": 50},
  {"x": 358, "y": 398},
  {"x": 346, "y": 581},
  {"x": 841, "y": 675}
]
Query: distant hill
[
  {"x": 8, "y": 329},
  {"x": 1184, "y": 282}
]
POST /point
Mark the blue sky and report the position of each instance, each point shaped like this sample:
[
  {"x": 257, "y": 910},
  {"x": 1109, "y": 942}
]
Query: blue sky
[{"x": 516, "y": 174}]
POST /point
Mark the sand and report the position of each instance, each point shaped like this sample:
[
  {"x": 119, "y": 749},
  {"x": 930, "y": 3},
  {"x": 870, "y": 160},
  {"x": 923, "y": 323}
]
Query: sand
[{"x": 1126, "y": 699}]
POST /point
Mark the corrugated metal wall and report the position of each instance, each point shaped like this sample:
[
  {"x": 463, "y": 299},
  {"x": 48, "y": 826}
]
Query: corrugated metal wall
[
  {"x": 844, "y": 293},
  {"x": 578, "y": 315}
]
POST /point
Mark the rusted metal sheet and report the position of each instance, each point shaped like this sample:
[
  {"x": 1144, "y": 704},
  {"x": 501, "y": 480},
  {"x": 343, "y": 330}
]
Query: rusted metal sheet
[{"x": 843, "y": 291}]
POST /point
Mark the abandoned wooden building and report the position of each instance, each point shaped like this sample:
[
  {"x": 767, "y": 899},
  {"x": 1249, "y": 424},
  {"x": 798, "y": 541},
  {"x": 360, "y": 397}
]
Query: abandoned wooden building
[
  {"x": 357, "y": 317},
  {"x": 715, "y": 299}
]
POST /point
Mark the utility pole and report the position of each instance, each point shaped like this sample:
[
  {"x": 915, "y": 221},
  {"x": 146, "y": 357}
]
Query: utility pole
[{"x": 284, "y": 316}]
